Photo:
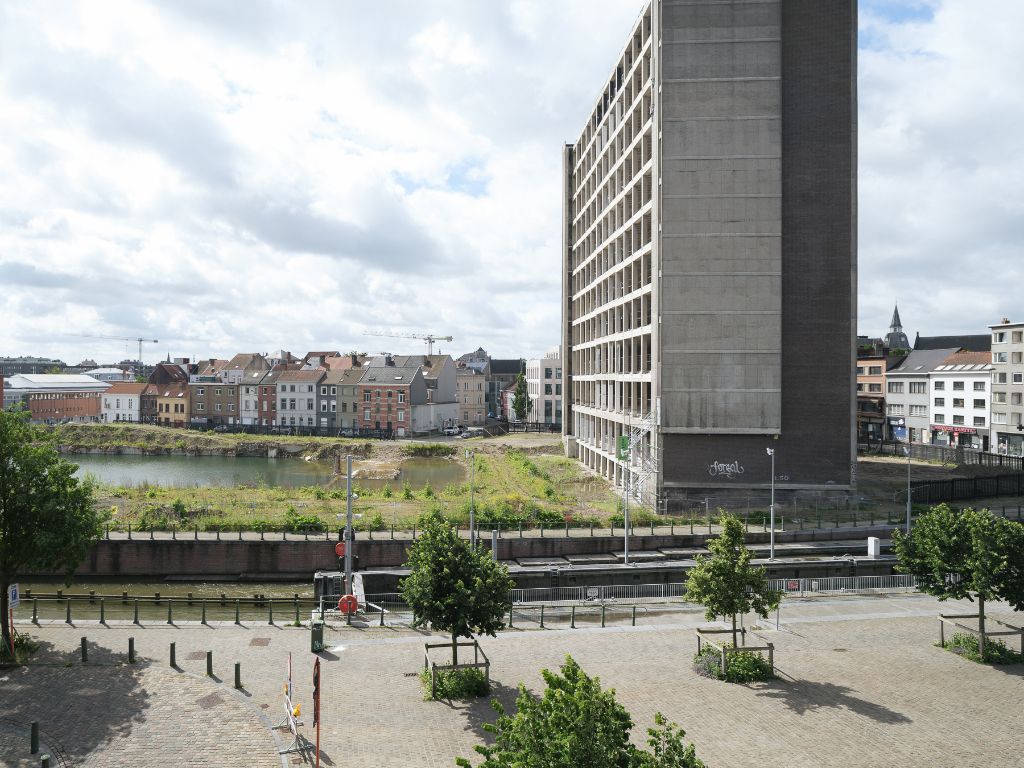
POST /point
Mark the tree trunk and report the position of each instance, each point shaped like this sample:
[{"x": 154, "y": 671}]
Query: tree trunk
[
  {"x": 6, "y": 634},
  {"x": 981, "y": 626},
  {"x": 734, "y": 643},
  {"x": 455, "y": 649}
]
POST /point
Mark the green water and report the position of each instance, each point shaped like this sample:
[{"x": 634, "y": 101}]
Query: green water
[{"x": 226, "y": 471}]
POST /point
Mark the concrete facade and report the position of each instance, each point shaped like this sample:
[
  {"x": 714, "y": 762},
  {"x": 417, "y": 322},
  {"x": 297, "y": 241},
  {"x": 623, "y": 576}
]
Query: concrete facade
[
  {"x": 959, "y": 408},
  {"x": 709, "y": 262},
  {"x": 907, "y": 395},
  {"x": 1008, "y": 388},
  {"x": 544, "y": 383}
]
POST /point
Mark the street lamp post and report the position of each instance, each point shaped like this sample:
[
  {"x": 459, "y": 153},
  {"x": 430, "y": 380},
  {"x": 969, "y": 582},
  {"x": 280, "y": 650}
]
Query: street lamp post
[
  {"x": 771, "y": 545},
  {"x": 908, "y": 490},
  {"x": 348, "y": 526},
  {"x": 471, "y": 456}
]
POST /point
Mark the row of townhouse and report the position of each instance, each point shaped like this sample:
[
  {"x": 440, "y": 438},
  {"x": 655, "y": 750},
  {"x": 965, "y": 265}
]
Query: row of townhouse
[
  {"x": 324, "y": 390},
  {"x": 959, "y": 391}
]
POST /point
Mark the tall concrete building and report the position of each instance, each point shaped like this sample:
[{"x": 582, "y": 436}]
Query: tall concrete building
[{"x": 709, "y": 260}]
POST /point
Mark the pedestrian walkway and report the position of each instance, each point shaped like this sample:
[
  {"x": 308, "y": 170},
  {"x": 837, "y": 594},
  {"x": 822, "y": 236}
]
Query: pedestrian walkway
[{"x": 861, "y": 684}]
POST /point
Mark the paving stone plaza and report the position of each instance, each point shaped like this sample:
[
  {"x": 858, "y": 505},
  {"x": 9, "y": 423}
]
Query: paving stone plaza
[{"x": 861, "y": 684}]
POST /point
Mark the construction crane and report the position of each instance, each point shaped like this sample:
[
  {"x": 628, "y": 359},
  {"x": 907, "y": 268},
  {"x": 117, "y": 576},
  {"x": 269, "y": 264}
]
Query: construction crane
[
  {"x": 427, "y": 337},
  {"x": 139, "y": 339}
]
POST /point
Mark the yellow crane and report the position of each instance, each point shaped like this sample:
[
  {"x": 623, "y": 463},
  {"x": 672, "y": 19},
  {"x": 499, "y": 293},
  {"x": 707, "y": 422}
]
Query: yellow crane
[{"x": 430, "y": 338}]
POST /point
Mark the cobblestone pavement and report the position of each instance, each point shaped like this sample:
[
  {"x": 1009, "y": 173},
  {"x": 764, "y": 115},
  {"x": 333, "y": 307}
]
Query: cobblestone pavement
[{"x": 861, "y": 685}]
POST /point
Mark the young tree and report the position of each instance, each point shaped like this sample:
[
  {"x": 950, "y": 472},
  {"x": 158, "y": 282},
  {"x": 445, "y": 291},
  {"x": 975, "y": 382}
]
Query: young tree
[
  {"x": 47, "y": 517},
  {"x": 575, "y": 723},
  {"x": 725, "y": 583},
  {"x": 453, "y": 587},
  {"x": 521, "y": 402},
  {"x": 965, "y": 554}
]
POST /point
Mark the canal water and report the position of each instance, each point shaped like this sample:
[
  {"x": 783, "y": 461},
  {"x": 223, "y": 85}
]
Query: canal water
[{"x": 226, "y": 471}]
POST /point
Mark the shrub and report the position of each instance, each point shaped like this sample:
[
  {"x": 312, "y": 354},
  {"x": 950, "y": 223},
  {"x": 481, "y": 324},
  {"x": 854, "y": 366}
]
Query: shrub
[
  {"x": 456, "y": 684},
  {"x": 428, "y": 492},
  {"x": 743, "y": 666},
  {"x": 178, "y": 507},
  {"x": 965, "y": 644},
  {"x": 376, "y": 522},
  {"x": 406, "y": 491},
  {"x": 387, "y": 492},
  {"x": 303, "y": 523}
]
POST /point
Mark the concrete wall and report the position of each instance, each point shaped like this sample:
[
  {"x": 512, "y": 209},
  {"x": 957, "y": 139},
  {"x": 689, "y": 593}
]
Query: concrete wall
[
  {"x": 721, "y": 217},
  {"x": 298, "y": 559},
  {"x": 815, "y": 448}
]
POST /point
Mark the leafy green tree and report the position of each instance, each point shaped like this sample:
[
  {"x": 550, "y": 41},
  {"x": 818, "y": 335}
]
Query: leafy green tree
[
  {"x": 47, "y": 516},
  {"x": 456, "y": 589},
  {"x": 575, "y": 723},
  {"x": 725, "y": 583},
  {"x": 521, "y": 402},
  {"x": 967, "y": 553}
]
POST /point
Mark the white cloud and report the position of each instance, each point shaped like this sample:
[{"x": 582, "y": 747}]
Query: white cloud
[{"x": 242, "y": 176}]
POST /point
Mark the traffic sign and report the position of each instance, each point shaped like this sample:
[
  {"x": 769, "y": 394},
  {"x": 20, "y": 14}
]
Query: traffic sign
[
  {"x": 348, "y": 604},
  {"x": 13, "y": 596},
  {"x": 339, "y": 549}
]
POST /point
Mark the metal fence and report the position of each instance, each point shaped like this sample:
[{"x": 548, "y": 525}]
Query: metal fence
[
  {"x": 946, "y": 455},
  {"x": 846, "y": 584},
  {"x": 964, "y": 488}
]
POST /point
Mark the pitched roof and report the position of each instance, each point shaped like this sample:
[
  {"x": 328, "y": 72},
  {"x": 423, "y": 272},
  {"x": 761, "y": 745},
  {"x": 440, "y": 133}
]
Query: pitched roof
[
  {"x": 896, "y": 318},
  {"x": 921, "y": 361},
  {"x": 125, "y": 388},
  {"x": 308, "y": 375},
  {"x": 506, "y": 366},
  {"x": 973, "y": 342},
  {"x": 343, "y": 376},
  {"x": 388, "y": 375}
]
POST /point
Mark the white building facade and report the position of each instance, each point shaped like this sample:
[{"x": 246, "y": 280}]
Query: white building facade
[{"x": 544, "y": 383}]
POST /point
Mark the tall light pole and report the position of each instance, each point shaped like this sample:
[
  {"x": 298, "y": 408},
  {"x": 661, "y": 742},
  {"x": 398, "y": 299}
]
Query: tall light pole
[
  {"x": 908, "y": 489},
  {"x": 471, "y": 456},
  {"x": 348, "y": 527},
  {"x": 771, "y": 545}
]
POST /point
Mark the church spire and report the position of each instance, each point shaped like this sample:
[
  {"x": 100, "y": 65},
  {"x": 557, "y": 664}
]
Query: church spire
[
  {"x": 896, "y": 325},
  {"x": 896, "y": 338}
]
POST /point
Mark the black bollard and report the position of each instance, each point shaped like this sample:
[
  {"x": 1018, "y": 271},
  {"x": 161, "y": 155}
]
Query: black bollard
[
  {"x": 542, "y": 617},
  {"x": 238, "y": 675},
  {"x": 270, "y": 611},
  {"x": 602, "y": 614},
  {"x": 131, "y": 650},
  {"x": 204, "y": 611},
  {"x": 34, "y": 738},
  {"x": 68, "y": 619},
  {"x": 174, "y": 660},
  {"x": 103, "y": 616},
  {"x": 238, "y": 620},
  {"x": 35, "y": 611},
  {"x": 170, "y": 616},
  {"x": 85, "y": 651},
  {"x": 572, "y": 618},
  {"x": 135, "y": 619},
  {"x": 209, "y": 663}
]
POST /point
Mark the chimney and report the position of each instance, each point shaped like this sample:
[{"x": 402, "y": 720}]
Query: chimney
[
  {"x": 1006, "y": 321},
  {"x": 389, "y": 360},
  {"x": 355, "y": 360}
]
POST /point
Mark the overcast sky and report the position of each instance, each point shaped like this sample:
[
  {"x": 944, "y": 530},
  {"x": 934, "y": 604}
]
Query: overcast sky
[{"x": 246, "y": 177}]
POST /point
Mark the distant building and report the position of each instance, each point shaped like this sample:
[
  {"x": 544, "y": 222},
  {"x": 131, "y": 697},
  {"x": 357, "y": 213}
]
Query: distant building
[
  {"x": 960, "y": 400},
  {"x": 1007, "y": 413},
  {"x": 296, "y": 397},
  {"x": 472, "y": 396},
  {"x": 907, "y": 396},
  {"x": 122, "y": 402},
  {"x": 110, "y": 374},
  {"x": 544, "y": 383},
  {"x": 969, "y": 342},
  {"x": 896, "y": 338},
  {"x": 388, "y": 391},
  {"x": 9, "y": 366},
  {"x": 56, "y": 398}
]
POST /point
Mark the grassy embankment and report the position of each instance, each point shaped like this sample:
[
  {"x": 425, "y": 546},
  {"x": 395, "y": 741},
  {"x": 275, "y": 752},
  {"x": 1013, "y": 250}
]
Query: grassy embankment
[{"x": 515, "y": 482}]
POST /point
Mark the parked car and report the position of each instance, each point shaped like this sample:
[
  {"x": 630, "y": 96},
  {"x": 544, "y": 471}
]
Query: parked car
[
  {"x": 465, "y": 435},
  {"x": 451, "y": 430}
]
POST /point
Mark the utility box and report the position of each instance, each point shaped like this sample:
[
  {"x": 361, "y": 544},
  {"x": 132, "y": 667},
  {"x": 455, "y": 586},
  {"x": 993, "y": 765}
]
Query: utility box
[
  {"x": 874, "y": 548},
  {"x": 316, "y": 636}
]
